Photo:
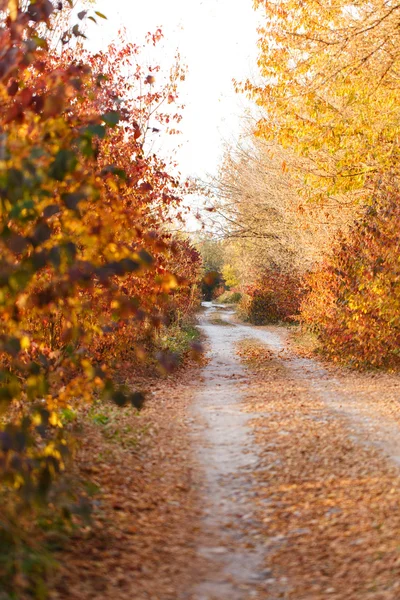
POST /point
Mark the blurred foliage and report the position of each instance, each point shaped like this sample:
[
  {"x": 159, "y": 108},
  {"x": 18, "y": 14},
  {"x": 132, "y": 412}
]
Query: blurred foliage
[
  {"x": 179, "y": 341},
  {"x": 212, "y": 285},
  {"x": 230, "y": 297},
  {"x": 212, "y": 253},
  {"x": 230, "y": 276}
]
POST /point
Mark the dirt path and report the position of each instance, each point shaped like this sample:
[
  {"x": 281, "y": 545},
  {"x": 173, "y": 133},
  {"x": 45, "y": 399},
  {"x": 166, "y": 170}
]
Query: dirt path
[
  {"x": 227, "y": 455},
  {"x": 260, "y": 476},
  {"x": 301, "y": 481}
]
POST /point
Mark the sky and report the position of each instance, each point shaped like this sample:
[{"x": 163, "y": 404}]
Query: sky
[{"x": 217, "y": 41}]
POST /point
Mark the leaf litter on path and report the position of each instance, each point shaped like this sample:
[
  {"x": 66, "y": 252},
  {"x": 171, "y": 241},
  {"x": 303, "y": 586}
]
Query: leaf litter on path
[
  {"x": 141, "y": 544},
  {"x": 319, "y": 505},
  {"x": 327, "y": 497}
]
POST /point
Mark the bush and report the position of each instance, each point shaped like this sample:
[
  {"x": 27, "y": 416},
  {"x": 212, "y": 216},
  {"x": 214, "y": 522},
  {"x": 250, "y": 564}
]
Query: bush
[
  {"x": 230, "y": 276},
  {"x": 230, "y": 297},
  {"x": 354, "y": 302},
  {"x": 274, "y": 297},
  {"x": 88, "y": 265}
]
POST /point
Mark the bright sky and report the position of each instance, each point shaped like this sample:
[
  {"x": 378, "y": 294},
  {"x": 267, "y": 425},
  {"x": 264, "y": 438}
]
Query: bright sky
[{"x": 217, "y": 41}]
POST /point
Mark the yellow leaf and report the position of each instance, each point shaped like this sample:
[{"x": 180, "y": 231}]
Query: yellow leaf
[
  {"x": 25, "y": 342},
  {"x": 170, "y": 283},
  {"x": 36, "y": 420},
  {"x": 54, "y": 420},
  {"x": 13, "y": 8}
]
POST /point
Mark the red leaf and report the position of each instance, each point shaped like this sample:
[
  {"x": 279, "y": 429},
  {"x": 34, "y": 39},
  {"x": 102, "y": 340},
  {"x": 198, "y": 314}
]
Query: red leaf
[{"x": 12, "y": 88}]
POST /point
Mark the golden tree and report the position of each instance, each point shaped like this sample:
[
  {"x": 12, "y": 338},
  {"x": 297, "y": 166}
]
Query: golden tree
[
  {"x": 259, "y": 212},
  {"x": 330, "y": 83}
]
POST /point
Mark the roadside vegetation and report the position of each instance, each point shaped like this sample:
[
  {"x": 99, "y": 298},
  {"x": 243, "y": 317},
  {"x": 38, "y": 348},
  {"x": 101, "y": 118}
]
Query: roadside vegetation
[
  {"x": 306, "y": 200},
  {"x": 98, "y": 286},
  {"x": 94, "y": 285}
]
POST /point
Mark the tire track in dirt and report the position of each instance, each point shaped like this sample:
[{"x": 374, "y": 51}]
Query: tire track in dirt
[
  {"x": 301, "y": 481},
  {"x": 328, "y": 485},
  {"x": 227, "y": 455}
]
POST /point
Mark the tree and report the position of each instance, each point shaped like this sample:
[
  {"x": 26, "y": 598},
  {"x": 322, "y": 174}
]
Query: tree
[
  {"x": 86, "y": 258},
  {"x": 259, "y": 212},
  {"x": 330, "y": 92},
  {"x": 230, "y": 276},
  {"x": 354, "y": 300},
  {"x": 212, "y": 252}
]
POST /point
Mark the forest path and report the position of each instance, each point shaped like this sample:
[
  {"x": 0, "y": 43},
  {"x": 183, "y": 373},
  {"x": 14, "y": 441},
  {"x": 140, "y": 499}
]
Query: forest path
[
  {"x": 301, "y": 487},
  {"x": 260, "y": 475},
  {"x": 227, "y": 454}
]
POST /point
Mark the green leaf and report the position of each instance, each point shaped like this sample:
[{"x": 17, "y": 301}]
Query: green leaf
[
  {"x": 64, "y": 163},
  {"x": 37, "y": 152},
  {"x": 39, "y": 42},
  {"x": 111, "y": 118},
  {"x": 99, "y": 14},
  {"x": 6, "y": 394},
  {"x": 115, "y": 171},
  {"x": 86, "y": 147},
  {"x": 98, "y": 130},
  {"x": 24, "y": 210},
  {"x": 19, "y": 280},
  {"x": 101, "y": 419}
]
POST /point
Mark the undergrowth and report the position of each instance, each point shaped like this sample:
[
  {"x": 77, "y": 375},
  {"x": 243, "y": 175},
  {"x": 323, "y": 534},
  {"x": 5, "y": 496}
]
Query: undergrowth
[
  {"x": 275, "y": 297},
  {"x": 177, "y": 343},
  {"x": 229, "y": 297}
]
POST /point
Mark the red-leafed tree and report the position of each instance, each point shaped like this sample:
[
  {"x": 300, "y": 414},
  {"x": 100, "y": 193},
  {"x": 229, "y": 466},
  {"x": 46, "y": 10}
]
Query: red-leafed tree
[{"x": 87, "y": 258}]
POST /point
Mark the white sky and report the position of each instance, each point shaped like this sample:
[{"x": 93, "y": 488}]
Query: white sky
[{"x": 217, "y": 42}]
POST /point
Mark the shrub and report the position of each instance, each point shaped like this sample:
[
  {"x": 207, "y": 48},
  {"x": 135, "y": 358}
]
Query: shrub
[
  {"x": 230, "y": 297},
  {"x": 274, "y": 297},
  {"x": 230, "y": 276},
  {"x": 87, "y": 263},
  {"x": 354, "y": 302}
]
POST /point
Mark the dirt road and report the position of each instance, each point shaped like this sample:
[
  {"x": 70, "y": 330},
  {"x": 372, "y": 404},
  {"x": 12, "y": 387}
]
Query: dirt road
[
  {"x": 261, "y": 476},
  {"x": 301, "y": 484}
]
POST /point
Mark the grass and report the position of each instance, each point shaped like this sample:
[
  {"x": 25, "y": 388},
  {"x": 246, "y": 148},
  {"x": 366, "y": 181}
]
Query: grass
[
  {"x": 218, "y": 320},
  {"x": 116, "y": 425},
  {"x": 229, "y": 297},
  {"x": 178, "y": 339}
]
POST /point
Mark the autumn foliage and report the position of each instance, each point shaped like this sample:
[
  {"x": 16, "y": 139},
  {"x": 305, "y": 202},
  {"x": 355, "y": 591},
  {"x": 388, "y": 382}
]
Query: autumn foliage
[
  {"x": 354, "y": 304},
  {"x": 272, "y": 298},
  {"x": 328, "y": 96},
  {"x": 327, "y": 70},
  {"x": 89, "y": 270}
]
